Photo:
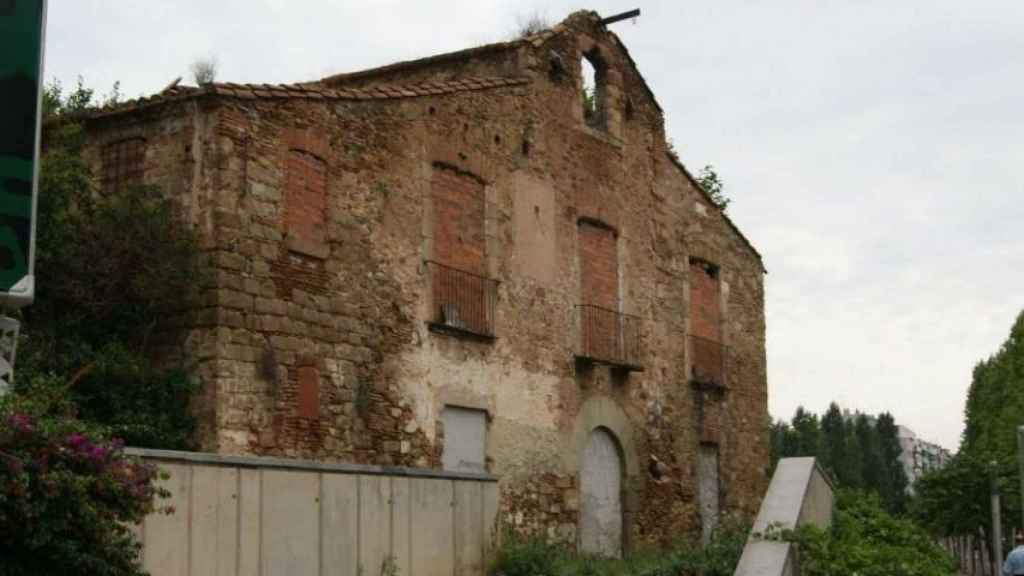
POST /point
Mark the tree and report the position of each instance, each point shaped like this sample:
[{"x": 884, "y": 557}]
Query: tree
[
  {"x": 807, "y": 433},
  {"x": 714, "y": 186},
  {"x": 868, "y": 447},
  {"x": 954, "y": 500},
  {"x": 115, "y": 272},
  {"x": 834, "y": 455},
  {"x": 892, "y": 481}
]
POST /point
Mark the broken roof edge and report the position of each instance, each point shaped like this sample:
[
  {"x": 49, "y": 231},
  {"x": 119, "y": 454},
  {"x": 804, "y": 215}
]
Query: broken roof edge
[
  {"x": 693, "y": 181},
  {"x": 536, "y": 39}
]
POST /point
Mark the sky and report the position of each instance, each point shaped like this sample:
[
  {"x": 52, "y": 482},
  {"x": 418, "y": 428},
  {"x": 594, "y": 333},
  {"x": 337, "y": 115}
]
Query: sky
[{"x": 872, "y": 151}]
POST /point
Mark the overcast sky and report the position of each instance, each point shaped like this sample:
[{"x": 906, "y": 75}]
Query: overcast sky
[{"x": 873, "y": 151}]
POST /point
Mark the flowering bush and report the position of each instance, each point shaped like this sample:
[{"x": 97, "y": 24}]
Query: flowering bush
[{"x": 67, "y": 499}]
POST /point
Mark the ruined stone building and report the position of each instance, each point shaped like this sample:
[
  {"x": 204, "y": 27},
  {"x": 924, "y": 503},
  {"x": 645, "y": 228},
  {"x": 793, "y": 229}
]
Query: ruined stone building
[{"x": 457, "y": 262}]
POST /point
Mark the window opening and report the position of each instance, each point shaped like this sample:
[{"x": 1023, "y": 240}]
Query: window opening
[{"x": 592, "y": 89}]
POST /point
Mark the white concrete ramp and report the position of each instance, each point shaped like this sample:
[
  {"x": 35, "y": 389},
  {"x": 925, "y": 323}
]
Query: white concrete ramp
[{"x": 799, "y": 494}]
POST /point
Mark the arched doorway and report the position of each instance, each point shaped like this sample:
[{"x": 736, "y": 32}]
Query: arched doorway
[{"x": 601, "y": 495}]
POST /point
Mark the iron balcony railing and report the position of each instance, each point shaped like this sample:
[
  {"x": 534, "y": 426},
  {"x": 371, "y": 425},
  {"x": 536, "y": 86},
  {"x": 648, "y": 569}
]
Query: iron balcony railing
[
  {"x": 462, "y": 301},
  {"x": 608, "y": 336},
  {"x": 707, "y": 361}
]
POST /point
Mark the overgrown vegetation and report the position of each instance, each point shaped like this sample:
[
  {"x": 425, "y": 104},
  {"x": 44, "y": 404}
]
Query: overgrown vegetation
[
  {"x": 858, "y": 451},
  {"x": 539, "y": 556},
  {"x": 865, "y": 540},
  {"x": 714, "y": 186},
  {"x": 530, "y": 24},
  {"x": 68, "y": 495},
  {"x": 115, "y": 274},
  {"x": 204, "y": 70}
]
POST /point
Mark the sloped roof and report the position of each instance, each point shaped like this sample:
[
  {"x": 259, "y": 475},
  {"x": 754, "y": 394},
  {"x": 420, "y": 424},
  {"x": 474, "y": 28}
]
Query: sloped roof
[
  {"x": 309, "y": 92},
  {"x": 535, "y": 40},
  {"x": 693, "y": 181}
]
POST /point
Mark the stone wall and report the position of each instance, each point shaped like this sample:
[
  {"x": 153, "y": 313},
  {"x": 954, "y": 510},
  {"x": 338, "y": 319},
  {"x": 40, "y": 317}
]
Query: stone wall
[{"x": 317, "y": 340}]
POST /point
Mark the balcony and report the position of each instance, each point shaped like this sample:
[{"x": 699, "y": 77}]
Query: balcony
[
  {"x": 461, "y": 302},
  {"x": 608, "y": 337},
  {"x": 707, "y": 362}
]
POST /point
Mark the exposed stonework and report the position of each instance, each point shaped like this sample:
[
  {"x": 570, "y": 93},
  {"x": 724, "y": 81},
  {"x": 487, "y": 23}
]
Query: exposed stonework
[{"x": 322, "y": 334}]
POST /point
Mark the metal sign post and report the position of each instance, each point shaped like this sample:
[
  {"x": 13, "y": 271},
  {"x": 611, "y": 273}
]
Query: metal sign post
[{"x": 22, "y": 24}]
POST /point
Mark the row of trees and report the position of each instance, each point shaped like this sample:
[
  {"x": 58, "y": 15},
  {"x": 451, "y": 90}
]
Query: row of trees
[
  {"x": 955, "y": 500},
  {"x": 859, "y": 452}
]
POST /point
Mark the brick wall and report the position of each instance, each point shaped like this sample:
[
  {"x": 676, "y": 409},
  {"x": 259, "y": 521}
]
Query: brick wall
[
  {"x": 599, "y": 286},
  {"x": 306, "y": 203},
  {"x": 705, "y": 302},
  {"x": 599, "y": 266},
  {"x": 458, "y": 204}
]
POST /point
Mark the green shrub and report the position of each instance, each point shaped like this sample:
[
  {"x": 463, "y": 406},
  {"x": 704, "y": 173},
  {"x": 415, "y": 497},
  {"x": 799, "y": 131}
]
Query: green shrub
[
  {"x": 535, "y": 555},
  {"x": 117, "y": 273},
  {"x": 865, "y": 540},
  {"x": 67, "y": 497}
]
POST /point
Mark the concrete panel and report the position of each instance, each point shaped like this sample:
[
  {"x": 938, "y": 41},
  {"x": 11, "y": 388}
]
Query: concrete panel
[
  {"x": 601, "y": 496},
  {"x": 290, "y": 499},
  {"x": 401, "y": 524},
  {"x": 249, "y": 522},
  {"x": 339, "y": 525},
  {"x": 798, "y": 494},
  {"x": 167, "y": 536},
  {"x": 432, "y": 541},
  {"x": 214, "y": 526},
  {"x": 469, "y": 533},
  {"x": 465, "y": 439},
  {"x": 490, "y": 504},
  {"x": 374, "y": 523}
]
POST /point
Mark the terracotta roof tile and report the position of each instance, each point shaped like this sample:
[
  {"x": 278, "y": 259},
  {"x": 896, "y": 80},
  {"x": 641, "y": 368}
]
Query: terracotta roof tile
[{"x": 309, "y": 91}]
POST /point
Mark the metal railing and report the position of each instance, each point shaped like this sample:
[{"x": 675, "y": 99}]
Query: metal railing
[
  {"x": 608, "y": 336},
  {"x": 707, "y": 361},
  {"x": 462, "y": 301}
]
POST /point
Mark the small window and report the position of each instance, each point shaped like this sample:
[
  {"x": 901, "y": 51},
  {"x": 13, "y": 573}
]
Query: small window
[
  {"x": 592, "y": 90},
  {"x": 123, "y": 164},
  {"x": 465, "y": 439}
]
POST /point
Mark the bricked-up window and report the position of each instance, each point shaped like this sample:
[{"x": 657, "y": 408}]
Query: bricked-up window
[
  {"x": 308, "y": 392},
  {"x": 458, "y": 204},
  {"x": 123, "y": 164},
  {"x": 306, "y": 203},
  {"x": 599, "y": 265},
  {"x": 706, "y": 323},
  {"x": 463, "y": 296},
  {"x": 605, "y": 334}
]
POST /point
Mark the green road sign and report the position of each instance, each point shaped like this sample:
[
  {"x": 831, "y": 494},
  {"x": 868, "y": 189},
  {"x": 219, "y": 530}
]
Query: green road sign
[{"x": 22, "y": 24}]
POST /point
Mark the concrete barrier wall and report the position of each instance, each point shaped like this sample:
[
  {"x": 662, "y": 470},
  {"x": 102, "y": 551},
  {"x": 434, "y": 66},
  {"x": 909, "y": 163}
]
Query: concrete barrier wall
[
  {"x": 243, "y": 516},
  {"x": 799, "y": 493}
]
